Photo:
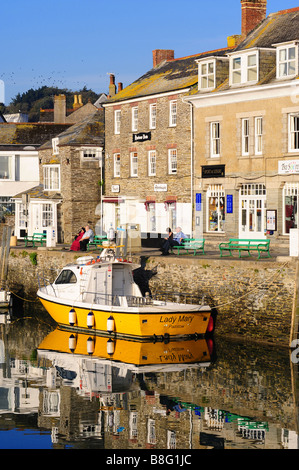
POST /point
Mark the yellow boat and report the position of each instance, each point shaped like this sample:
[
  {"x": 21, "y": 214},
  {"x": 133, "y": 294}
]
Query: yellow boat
[
  {"x": 136, "y": 353},
  {"x": 100, "y": 294}
]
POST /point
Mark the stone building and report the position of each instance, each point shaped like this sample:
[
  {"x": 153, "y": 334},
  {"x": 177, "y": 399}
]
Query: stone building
[
  {"x": 149, "y": 159},
  {"x": 69, "y": 190},
  {"x": 246, "y": 131}
]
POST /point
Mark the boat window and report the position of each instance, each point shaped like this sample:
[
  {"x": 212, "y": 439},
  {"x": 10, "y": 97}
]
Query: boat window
[{"x": 66, "y": 277}]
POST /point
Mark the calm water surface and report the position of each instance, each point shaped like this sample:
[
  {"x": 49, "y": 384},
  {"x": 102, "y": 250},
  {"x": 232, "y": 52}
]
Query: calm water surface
[{"x": 60, "y": 390}]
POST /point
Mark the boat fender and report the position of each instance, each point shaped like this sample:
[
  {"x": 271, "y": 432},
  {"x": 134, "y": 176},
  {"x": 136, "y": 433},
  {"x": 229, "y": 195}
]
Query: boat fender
[
  {"x": 90, "y": 320},
  {"x": 110, "y": 347},
  {"x": 72, "y": 343},
  {"x": 72, "y": 317},
  {"x": 90, "y": 346},
  {"x": 210, "y": 327},
  {"x": 110, "y": 324},
  {"x": 81, "y": 271}
]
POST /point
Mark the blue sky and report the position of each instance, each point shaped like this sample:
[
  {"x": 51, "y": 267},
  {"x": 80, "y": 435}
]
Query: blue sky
[{"x": 76, "y": 43}]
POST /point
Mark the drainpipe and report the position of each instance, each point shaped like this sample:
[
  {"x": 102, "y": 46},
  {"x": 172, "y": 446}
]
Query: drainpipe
[{"x": 191, "y": 166}]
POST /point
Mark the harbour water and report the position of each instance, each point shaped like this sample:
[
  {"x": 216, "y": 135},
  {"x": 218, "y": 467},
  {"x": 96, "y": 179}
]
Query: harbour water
[{"x": 59, "y": 390}]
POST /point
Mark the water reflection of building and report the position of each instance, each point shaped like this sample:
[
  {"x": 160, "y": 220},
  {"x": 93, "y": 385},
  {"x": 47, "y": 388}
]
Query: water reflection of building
[{"x": 123, "y": 408}]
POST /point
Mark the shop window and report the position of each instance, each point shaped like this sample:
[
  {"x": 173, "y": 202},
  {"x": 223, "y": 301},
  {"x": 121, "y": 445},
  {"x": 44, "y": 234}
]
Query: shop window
[
  {"x": 290, "y": 206},
  {"x": 215, "y": 208}
]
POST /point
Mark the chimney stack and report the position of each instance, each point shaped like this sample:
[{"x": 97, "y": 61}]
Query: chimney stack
[
  {"x": 120, "y": 87},
  {"x": 253, "y": 12},
  {"x": 59, "y": 109},
  {"x": 159, "y": 55},
  {"x": 112, "y": 86}
]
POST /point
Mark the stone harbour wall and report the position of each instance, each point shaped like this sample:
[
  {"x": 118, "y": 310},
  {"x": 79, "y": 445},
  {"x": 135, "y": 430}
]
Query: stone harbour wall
[{"x": 252, "y": 300}]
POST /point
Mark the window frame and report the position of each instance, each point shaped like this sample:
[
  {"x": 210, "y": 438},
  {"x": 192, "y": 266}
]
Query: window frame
[
  {"x": 258, "y": 136},
  {"x": 134, "y": 164},
  {"x": 244, "y": 67},
  {"x": 117, "y": 121},
  {"x": 134, "y": 117},
  {"x": 116, "y": 165},
  {"x": 49, "y": 178},
  {"x": 11, "y": 166},
  {"x": 172, "y": 161},
  {"x": 215, "y": 139},
  {"x": 245, "y": 137},
  {"x": 173, "y": 111},
  {"x": 206, "y": 75},
  {"x": 153, "y": 116},
  {"x": 287, "y": 61},
  {"x": 293, "y": 135}
]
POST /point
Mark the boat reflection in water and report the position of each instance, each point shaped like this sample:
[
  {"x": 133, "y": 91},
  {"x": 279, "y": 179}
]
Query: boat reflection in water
[{"x": 69, "y": 351}]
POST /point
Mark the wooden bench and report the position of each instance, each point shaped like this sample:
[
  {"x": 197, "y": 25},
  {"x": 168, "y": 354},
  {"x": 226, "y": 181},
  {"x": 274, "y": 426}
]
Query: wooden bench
[
  {"x": 96, "y": 243},
  {"x": 248, "y": 245},
  {"x": 35, "y": 238},
  {"x": 190, "y": 244}
]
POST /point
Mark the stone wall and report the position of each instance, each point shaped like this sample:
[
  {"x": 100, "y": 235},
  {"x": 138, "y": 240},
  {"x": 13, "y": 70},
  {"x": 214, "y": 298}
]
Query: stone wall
[{"x": 253, "y": 299}]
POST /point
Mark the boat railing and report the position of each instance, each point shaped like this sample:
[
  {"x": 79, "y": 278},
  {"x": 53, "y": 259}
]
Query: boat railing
[{"x": 116, "y": 300}]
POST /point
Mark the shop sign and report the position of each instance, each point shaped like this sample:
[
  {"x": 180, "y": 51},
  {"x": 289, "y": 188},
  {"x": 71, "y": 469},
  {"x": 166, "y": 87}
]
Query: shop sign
[
  {"x": 142, "y": 137},
  {"x": 229, "y": 204},
  {"x": 198, "y": 202},
  {"x": 213, "y": 171},
  {"x": 115, "y": 188},
  {"x": 288, "y": 167}
]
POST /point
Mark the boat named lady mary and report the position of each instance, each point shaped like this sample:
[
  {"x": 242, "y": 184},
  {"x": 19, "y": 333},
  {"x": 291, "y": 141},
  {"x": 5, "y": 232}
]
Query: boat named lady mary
[{"x": 100, "y": 294}]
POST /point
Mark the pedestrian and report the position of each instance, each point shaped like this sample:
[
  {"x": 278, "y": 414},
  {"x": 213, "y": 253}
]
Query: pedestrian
[{"x": 177, "y": 240}]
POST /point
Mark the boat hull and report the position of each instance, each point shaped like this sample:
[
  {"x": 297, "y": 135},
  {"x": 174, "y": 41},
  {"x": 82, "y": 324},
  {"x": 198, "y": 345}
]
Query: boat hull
[{"x": 126, "y": 323}]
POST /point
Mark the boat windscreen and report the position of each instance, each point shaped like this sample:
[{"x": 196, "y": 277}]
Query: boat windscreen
[{"x": 66, "y": 277}]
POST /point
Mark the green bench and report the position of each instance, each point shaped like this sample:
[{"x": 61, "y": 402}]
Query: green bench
[
  {"x": 96, "y": 243},
  {"x": 246, "y": 245},
  {"x": 197, "y": 245},
  {"x": 35, "y": 238}
]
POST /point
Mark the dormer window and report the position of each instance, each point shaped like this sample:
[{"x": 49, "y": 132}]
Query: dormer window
[
  {"x": 206, "y": 75},
  {"x": 287, "y": 60},
  {"x": 244, "y": 68}
]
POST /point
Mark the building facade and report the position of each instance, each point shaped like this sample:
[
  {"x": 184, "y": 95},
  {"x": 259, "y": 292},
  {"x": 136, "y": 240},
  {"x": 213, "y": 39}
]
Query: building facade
[
  {"x": 246, "y": 132},
  {"x": 148, "y": 149}
]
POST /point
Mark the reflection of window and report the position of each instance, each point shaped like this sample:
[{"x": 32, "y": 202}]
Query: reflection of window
[
  {"x": 171, "y": 440},
  {"x": 152, "y": 163},
  {"x": 116, "y": 165},
  {"x": 151, "y": 431},
  {"x": 133, "y": 425},
  {"x": 286, "y": 61},
  {"x": 290, "y": 206},
  {"x": 6, "y": 167},
  {"x": 215, "y": 208},
  {"x": 293, "y": 132},
  {"x": 52, "y": 177}
]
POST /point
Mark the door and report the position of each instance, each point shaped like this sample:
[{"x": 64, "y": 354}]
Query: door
[{"x": 252, "y": 211}]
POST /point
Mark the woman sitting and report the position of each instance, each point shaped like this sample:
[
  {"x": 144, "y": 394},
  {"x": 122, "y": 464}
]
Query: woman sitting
[{"x": 76, "y": 243}]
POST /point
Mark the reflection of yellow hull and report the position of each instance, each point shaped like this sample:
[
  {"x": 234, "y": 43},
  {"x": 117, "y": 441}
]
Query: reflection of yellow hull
[
  {"x": 130, "y": 352},
  {"x": 128, "y": 323}
]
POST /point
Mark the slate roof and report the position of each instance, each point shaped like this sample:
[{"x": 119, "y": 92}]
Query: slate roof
[
  {"x": 89, "y": 131},
  {"x": 279, "y": 27},
  {"x": 38, "y": 193},
  {"x": 19, "y": 135},
  {"x": 172, "y": 75}
]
